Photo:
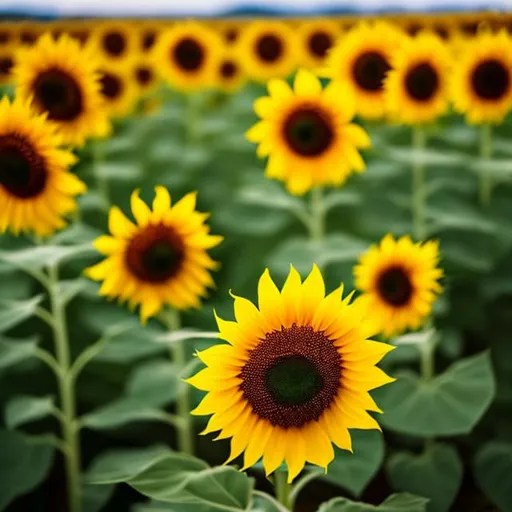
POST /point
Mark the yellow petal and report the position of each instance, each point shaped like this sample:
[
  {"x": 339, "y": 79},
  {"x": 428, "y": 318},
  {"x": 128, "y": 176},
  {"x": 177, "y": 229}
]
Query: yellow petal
[
  {"x": 357, "y": 136},
  {"x": 140, "y": 209},
  {"x": 332, "y": 421},
  {"x": 295, "y": 454},
  {"x": 162, "y": 201},
  {"x": 217, "y": 401},
  {"x": 279, "y": 89},
  {"x": 306, "y": 83},
  {"x": 319, "y": 449},
  {"x": 119, "y": 225},
  {"x": 274, "y": 455},
  {"x": 257, "y": 443},
  {"x": 241, "y": 438},
  {"x": 107, "y": 244},
  {"x": 269, "y": 300}
]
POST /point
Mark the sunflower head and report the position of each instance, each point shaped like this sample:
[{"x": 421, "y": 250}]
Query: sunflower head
[
  {"x": 160, "y": 260},
  {"x": 61, "y": 80},
  {"x": 307, "y": 134},
  {"x": 416, "y": 89},
  {"x": 116, "y": 42},
  {"x": 36, "y": 188},
  {"x": 7, "y": 61},
  {"x": 294, "y": 375},
  {"x": 481, "y": 81},
  {"x": 399, "y": 281},
  {"x": 230, "y": 75},
  {"x": 317, "y": 38},
  {"x": 144, "y": 75},
  {"x": 118, "y": 90}
]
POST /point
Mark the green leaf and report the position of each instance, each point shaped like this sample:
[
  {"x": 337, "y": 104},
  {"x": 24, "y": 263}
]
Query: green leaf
[
  {"x": 70, "y": 288},
  {"x": 127, "y": 349},
  {"x": 402, "y": 502},
  {"x": 433, "y": 157},
  {"x": 25, "y": 409},
  {"x": 119, "y": 171},
  {"x": 23, "y": 465},
  {"x": 13, "y": 313},
  {"x": 170, "y": 338},
  {"x": 95, "y": 497},
  {"x": 14, "y": 351},
  {"x": 435, "y": 474},
  {"x": 450, "y": 404},
  {"x": 493, "y": 470}
]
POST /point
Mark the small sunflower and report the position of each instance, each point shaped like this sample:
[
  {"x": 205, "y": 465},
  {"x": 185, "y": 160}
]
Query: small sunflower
[
  {"x": 317, "y": 38},
  {"x": 160, "y": 260},
  {"x": 230, "y": 75},
  {"x": 294, "y": 376},
  {"x": 187, "y": 56},
  {"x": 36, "y": 188},
  {"x": 148, "y": 36},
  {"x": 61, "y": 79},
  {"x": 416, "y": 89},
  {"x": 7, "y": 61},
  {"x": 481, "y": 81},
  {"x": 399, "y": 281},
  {"x": 307, "y": 134},
  {"x": 118, "y": 90},
  {"x": 8, "y": 34},
  {"x": 144, "y": 75},
  {"x": 268, "y": 49},
  {"x": 362, "y": 59},
  {"x": 230, "y": 31},
  {"x": 115, "y": 41},
  {"x": 29, "y": 33}
]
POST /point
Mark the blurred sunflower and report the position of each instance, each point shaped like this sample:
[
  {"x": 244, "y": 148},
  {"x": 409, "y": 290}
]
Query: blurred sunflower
[
  {"x": 268, "y": 49},
  {"x": 115, "y": 41},
  {"x": 118, "y": 90},
  {"x": 8, "y": 34},
  {"x": 36, "y": 188},
  {"x": 80, "y": 33},
  {"x": 148, "y": 35},
  {"x": 230, "y": 31},
  {"x": 362, "y": 59},
  {"x": 416, "y": 89},
  {"x": 7, "y": 60},
  {"x": 61, "y": 79},
  {"x": 399, "y": 281},
  {"x": 144, "y": 75},
  {"x": 29, "y": 33},
  {"x": 307, "y": 134},
  {"x": 187, "y": 56},
  {"x": 317, "y": 37},
  {"x": 160, "y": 260},
  {"x": 230, "y": 75},
  {"x": 481, "y": 81},
  {"x": 294, "y": 376}
]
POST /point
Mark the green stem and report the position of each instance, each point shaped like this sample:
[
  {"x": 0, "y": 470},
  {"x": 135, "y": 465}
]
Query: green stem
[
  {"x": 102, "y": 185},
  {"x": 171, "y": 319},
  {"x": 419, "y": 140},
  {"x": 317, "y": 220},
  {"x": 427, "y": 361},
  {"x": 283, "y": 489},
  {"x": 193, "y": 101},
  {"x": 67, "y": 393},
  {"x": 486, "y": 182}
]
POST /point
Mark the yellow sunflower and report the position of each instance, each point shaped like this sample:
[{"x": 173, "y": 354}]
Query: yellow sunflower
[
  {"x": 29, "y": 33},
  {"x": 118, "y": 90},
  {"x": 316, "y": 38},
  {"x": 160, "y": 260},
  {"x": 36, "y": 188},
  {"x": 7, "y": 61},
  {"x": 416, "y": 89},
  {"x": 268, "y": 49},
  {"x": 148, "y": 36},
  {"x": 230, "y": 31},
  {"x": 62, "y": 80},
  {"x": 399, "y": 281},
  {"x": 187, "y": 56},
  {"x": 230, "y": 75},
  {"x": 481, "y": 81},
  {"x": 115, "y": 41},
  {"x": 8, "y": 34},
  {"x": 361, "y": 59},
  {"x": 294, "y": 376},
  {"x": 144, "y": 75},
  {"x": 307, "y": 134}
]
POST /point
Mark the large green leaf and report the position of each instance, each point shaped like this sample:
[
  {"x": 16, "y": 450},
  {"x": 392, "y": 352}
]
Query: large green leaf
[
  {"x": 95, "y": 497},
  {"x": 13, "y": 313},
  {"x": 128, "y": 348},
  {"x": 493, "y": 470},
  {"x": 23, "y": 465},
  {"x": 13, "y": 351},
  {"x": 435, "y": 474},
  {"x": 402, "y": 502},
  {"x": 25, "y": 409},
  {"x": 450, "y": 404}
]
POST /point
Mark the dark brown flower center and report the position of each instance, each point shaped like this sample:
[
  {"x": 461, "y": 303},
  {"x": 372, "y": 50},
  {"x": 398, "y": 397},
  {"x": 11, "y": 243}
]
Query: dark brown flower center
[
  {"x": 422, "y": 82},
  {"x": 369, "y": 70},
  {"x": 6, "y": 64},
  {"x": 28, "y": 37},
  {"x": 58, "y": 93},
  {"x": 148, "y": 40},
  {"x": 413, "y": 29},
  {"x": 490, "y": 79},
  {"x": 231, "y": 35},
  {"x": 114, "y": 43},
  {"x": 80, "y": 35},
  {"x": 292, "y": 376},
  {"x": 308, "y": 131},
  {"x": 269, "y": 48},
  {"x": 22, "y": 170},
  {"x": 144, "y": 75},
  {"x": 111, "y": 86},
  {"x": 319, "y": 44},
  {"x": 394, "y": 286},
  {"x": 228, "y": 69},
  {"x": 155, "y": 254},
  {"x": 4, "y": 37},
  {"x": 188, "y": 54},
  {"x": 470, "y": 28},
  {"x": 442, "y": 32}
]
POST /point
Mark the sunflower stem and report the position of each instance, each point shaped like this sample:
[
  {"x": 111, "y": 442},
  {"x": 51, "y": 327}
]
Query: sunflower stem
[
  {"x": 66, "y": 391},
  {"x": 427, "y": 360},
  {"x": 418, "y": 183},
  {"x": 102, "y": 185},
  {"x": 317, "y": 217},
  {"x": 171, "y": 319},
  {"x": 486, "y": 182},
  {"x": 283, "y": 489}
]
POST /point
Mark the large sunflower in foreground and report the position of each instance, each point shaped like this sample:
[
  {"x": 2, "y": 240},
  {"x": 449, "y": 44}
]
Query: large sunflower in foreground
[
  {"x": 186, "y": 56},
  {"x": 399, "y": 281},
  {"x": 416, "y": 89},
  {"x": 293, "y": 377},
  {"x": 268, "y": 49},
  {"x": 317, "y": 37},
  {"x": 307, "y": 134},
  {"x": 160, "y": 260},
  {"x": 118, "y": 90},
  {"x": 61, "y": 79},
  {"x": 481, "y": 81},
  {"x": 362, "y": 59},
  {"x": 36, "y": 187}
]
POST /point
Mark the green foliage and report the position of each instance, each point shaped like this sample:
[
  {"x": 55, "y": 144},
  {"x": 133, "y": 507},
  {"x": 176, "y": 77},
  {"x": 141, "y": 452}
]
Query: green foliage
[
  {"x": 396, "y": 503},
  {"x": 13, "y": 351},
  {"x": 25, "y": 409},
  {"x": 13, "y": 313}
]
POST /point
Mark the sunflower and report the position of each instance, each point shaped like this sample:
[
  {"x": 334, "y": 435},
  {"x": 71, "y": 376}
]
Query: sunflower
[
  {"x": 160, "y": 260},
  {"x": 416, "y": 89},
  {"x": 144, "y": 75},
  {"x": 481, "y": 81},
  {"x": 230, "y": 75},
  {"x": 115, "y": 41},
  {"x": 307, "y": 134},
  {"x": 268, "y": 49},
  {"x": 7, "y": 61},
  {"x": 29, "y": 33},
  {"x": 187, "y": 56},
  {"x": 8, "y": 34},
  {"x": 230, "y": 31},
  {"x": 362, "y": 58},
  {"x": 294, "y": 376},
  {"x": 61, "y": 79},
  {"x": 118, "y": 90},
  {"x": 399, "y": 281},
  {"x": 36, "y": 188},
  {"x": 317, "y": 37},
  {"x": 148, "y": 36}
]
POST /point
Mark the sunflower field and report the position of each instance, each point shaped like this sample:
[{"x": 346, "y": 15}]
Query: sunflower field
[{"x": 258, "y": 265}]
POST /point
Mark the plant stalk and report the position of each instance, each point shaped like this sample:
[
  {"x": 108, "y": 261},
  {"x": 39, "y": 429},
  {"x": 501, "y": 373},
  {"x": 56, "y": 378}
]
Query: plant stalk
[
  {"x": 418, "y": 183},
  {"x": 486, "y": 181},
  {"x": 283, "y": 489}
]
